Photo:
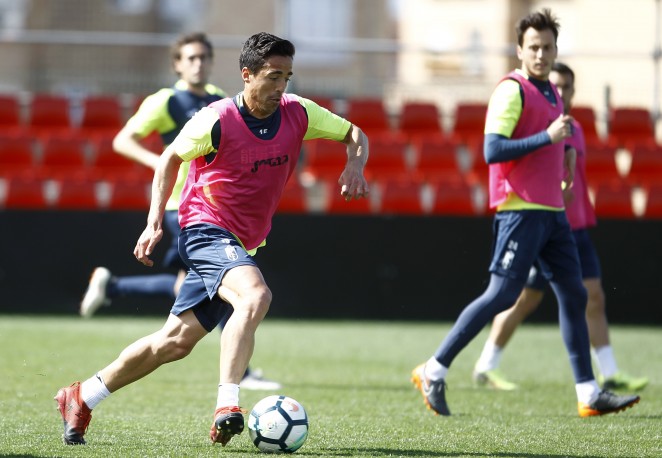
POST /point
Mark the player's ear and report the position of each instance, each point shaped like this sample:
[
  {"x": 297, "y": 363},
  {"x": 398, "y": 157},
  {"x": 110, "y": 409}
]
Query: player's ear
[{"x": 245, "y": 74}]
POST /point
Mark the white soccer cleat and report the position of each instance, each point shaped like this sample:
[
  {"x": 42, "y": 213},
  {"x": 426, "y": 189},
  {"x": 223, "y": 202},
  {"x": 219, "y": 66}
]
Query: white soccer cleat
[
  {"x": 95, "y": 296},
  {"x": 254, "y": 380}
]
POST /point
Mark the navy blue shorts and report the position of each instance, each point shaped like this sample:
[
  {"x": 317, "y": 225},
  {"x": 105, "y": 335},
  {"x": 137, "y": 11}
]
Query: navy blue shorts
[
  {"x": 172, "y": 258},
  {"x": 525, "y": 236},
  {"x": 209, "y": 252},
  {"x": 588, "y": 260}
]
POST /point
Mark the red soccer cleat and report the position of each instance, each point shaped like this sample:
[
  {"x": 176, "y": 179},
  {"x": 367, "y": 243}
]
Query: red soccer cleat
[{"x": 75, "y": 414}]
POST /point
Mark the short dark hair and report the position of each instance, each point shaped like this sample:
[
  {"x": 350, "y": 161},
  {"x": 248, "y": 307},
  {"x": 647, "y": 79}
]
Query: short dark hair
[
  {"x": 183, "y": 40},
  {"x": 259, "y": 47},
  {"x": 563, "y": 69},
  {"x": 541, "y": 20}
]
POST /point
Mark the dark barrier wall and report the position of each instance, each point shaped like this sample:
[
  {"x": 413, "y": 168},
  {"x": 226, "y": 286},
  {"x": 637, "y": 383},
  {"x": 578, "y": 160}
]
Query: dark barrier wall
[{"x": 418, "y": 268}]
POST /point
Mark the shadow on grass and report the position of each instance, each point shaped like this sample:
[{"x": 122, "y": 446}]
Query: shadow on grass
[{"x": 376, "y": 452}]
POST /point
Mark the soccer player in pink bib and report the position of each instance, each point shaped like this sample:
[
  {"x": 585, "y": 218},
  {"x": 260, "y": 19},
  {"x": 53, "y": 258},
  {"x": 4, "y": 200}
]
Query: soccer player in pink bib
[
  {"x": 581, "y": 217},
  {"x": 242, "y": 150},
  {"x": 525, "y": 146}
]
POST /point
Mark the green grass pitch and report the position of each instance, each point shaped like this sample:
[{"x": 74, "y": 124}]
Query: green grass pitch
[{"x": 352, "y": 378}]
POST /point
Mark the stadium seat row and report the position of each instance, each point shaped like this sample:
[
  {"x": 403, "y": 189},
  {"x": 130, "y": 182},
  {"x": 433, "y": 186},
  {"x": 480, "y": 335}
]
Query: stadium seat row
[
  {"x": 452, "y": 196},
  {"x": 69, "y": 156},
  {"x": 27, "y": 193},
  {"x": 627, "y": 126},
  {"x": 46, "y": 113},
  {"x": 417, "y": 150},
  {"x": 426, "y": 157}
]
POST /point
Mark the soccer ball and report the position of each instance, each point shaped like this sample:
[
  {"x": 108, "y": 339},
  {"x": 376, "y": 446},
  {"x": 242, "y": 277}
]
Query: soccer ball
[{"x": 278, "y": 424}]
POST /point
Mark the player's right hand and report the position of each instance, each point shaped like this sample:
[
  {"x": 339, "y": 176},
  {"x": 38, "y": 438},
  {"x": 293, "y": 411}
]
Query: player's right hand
[{"x": 146, "y": 243}]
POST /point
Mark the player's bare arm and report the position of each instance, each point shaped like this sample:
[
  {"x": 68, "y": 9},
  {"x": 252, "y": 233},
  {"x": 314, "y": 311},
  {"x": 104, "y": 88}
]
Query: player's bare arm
[
  {"x": 353, "y": 184},
  {"x": 164, "y": 180},
  {"x": 127, "y": 143},
  {"x": 570, "y": 165}
]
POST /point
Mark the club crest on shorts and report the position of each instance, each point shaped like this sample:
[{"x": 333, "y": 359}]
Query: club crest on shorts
[
  {"x": 509, "y": 255},
  {"x": 231, "y": 253}
]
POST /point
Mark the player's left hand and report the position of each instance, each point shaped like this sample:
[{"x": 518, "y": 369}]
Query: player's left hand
[
  {"x": 353, "y": 184},
  {"x": 570, "y": 165}
]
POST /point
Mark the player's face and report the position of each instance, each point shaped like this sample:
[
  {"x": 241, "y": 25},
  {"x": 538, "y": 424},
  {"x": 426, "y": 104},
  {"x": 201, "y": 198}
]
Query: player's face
[
  {"x": 537, "y": 53},
  {"x": 194, "y": 64},
  {"x": 264, "y": 89},
  {"x": 565, "y": 85}
]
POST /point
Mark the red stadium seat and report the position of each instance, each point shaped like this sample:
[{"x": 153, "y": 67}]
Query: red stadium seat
[
  {"x": 469, "y": 122},
  {"x": 369, "y": 114},
  {"x": 108, "y": 165},
  {"x": 454, "y": 197},
  {"x": 76, "y": 194},
  {"x": 129, "y": 195},
  {"x": 646, "y": 165},
  {"x": 585, "y": 116},
  {"x": 25, "y": 193},
  {"x": 435, "y": 156},
  {"x": 324, "y": 159},
  {"x": 614, "y": 200},
  {"x": 653, "y": 208},
  {"x": 388, "y": 158},
  {"x": 401, "y": 196},
  {"x": 10, "y": 114},
  {"x": 63, "y": 157},
  {"x": 49, "y": 114},
  {"x": 478, "y": 173},
  {"x": 102, "y": 114},
  {"x": 629, "y": 125},
  {"x": 16, "y": 155},
  {"x": 419, "y": 119},
  {"x": 601, "y": 164}
]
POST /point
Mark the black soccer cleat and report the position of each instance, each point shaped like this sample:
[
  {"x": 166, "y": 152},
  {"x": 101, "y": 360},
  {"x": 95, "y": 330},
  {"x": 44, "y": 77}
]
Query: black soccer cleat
[
  {"x": 607, "y": 402},
  {"x": 433, "y": 391}
]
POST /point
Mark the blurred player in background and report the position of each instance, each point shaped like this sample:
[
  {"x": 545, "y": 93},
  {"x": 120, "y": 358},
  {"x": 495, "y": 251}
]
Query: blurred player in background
[
  {"x": 581, "y": 217},
  {"x": 525, "y": 133},
  {"x": 165, "y": 112},
  {"x": 241, "y": 151}
]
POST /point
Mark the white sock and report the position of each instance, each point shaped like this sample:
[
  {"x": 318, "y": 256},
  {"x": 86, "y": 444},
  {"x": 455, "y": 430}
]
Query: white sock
[
  {"x": 228, "y": 395},
  {"x": 587, "y": 392},
  {"x": 434, "y": 370},
  {"x": 489, "y": 358},
  {"x": 93, "y": 391},
  {"x": 606, "y": 361}
]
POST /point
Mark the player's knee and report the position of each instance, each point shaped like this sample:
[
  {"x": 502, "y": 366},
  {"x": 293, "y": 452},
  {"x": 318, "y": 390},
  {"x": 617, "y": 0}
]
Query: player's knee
[
  {"x": 174, "y": 345},
  {"x": 258, "y": 302},
  {"x": 174, "y": 348},
  {"x": 596, "y": 302},
  {"x": 528, "y": 301}
]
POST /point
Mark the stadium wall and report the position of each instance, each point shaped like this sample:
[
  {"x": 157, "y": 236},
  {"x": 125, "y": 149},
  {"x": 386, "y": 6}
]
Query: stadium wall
[{"x": 318, "y": 266}]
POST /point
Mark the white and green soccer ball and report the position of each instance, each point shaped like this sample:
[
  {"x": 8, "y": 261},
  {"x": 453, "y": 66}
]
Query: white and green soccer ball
[{"x": 278, "y": 424}]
